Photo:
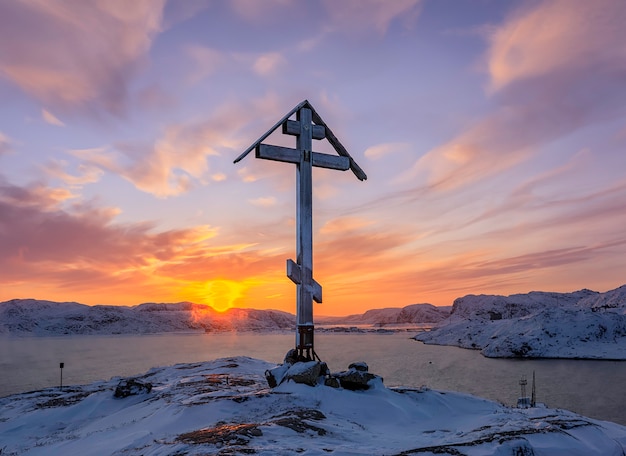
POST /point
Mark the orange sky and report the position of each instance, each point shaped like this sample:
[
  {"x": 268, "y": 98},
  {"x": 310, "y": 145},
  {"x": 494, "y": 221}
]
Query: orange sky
[{"x": 492, "y": 134}]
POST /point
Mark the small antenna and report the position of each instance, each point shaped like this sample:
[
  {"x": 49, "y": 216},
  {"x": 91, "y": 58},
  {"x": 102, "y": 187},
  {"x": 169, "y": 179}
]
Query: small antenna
[
  {"x": 533, "y": 395},
  {"x": 523, "y": 382}
]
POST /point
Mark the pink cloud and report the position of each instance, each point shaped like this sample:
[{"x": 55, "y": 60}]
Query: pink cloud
[
  {"x": 186, "y": 155},
  {"x": 554, "y": 35},
  {"x": 91, "y": 50},
  {"x": 554, "y": 67}
]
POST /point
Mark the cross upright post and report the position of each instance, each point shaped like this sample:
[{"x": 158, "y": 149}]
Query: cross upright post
[
  {"x": 307, "y": 126},
  {"x": 304, "y": 235}
]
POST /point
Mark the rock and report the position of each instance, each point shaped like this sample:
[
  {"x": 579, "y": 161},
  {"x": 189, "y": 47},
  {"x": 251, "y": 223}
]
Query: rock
[
  {"x": 361, "y": 366},
  {"x": 307, "y": 373},
  {"x": 332, "y": 382},
  {"x": 131, "y": 387},
  {"x": 357, "y": 377},
  {"x": 291, "y": 357},
  {"x": 275, "y": 376}
]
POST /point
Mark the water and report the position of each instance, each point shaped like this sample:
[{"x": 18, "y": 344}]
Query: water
[{"x": 592, "y": 388}]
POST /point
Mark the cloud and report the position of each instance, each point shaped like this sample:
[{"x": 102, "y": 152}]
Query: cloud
[
  {"x": 76, "y": 56},
  {"x": 5, "y": 144},
  {"x": 87, "y": 174},
  {"x": 36, "y": 195},
  {"x": 380, "y": 150},
  {"x": 82, "y": 246},
  {"x": 51, "y": 119},
  {"x": 556, "y": 35},
  {"x": 365, "y": 15},
  {"x": 268, "y": 201},
  {"x": 343, "y": 225},
  {"x": 206, "y": 61},
  {"x": 269, "y": 64},
  {"x": 179, "y": 160},
  {"x": 253, "y": 10},
  {"x": 554, "y": 68}
]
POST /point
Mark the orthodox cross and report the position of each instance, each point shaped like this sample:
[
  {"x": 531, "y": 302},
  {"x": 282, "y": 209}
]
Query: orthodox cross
[{"x": 307, "y": 126}]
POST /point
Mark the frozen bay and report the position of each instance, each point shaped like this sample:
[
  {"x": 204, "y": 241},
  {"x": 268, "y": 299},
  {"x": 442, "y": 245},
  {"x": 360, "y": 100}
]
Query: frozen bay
[{"x": 591, "y": 388}]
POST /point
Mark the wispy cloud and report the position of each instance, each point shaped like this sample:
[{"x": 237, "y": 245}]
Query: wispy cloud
[
  {"x": 51, "y": 119},
  {"x": 179, "y": 160},
  {"x": 345, "y": 225},
  {"x": 206, "y": 62},
  {"x": 267, "y": 201},
  {"x": 269, "y": 64},
  {"x": 553, "y": 68},
  {"x": 5, "y": 144},
  {"x": 92, "y": 50},
  {"x": 380, "y": 150},
  {"x": 367, "y": 15},
  {"x": 86, "y": 174}
]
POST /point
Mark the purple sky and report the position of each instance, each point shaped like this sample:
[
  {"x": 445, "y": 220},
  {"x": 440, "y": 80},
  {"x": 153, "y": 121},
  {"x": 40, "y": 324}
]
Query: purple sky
[{"x": 493, "y": 135}]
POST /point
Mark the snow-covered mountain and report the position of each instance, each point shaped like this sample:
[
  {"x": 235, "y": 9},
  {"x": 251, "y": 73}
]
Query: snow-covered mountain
[
  {"x": 35, "y": 317},
  {"x": 224, "y": 407},
  {"x": 582, "y": 324},
  {"x": 415, "y": 313}
]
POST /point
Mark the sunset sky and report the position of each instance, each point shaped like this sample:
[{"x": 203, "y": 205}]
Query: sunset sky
[{"x": 493, "y": 134}]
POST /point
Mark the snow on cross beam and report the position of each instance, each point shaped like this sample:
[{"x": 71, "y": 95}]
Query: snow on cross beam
[{"x": 307, "y": 126}]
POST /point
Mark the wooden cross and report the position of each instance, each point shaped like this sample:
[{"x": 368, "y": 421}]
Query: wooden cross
[{"x": 307, "y": 126}]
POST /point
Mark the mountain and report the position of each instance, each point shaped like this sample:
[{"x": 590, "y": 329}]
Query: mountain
[
  {"x": 582, "y": 324},
  {"x": 415, "y": 313},
  {"x": 40, "y": 318},
  {"x": 224, "y": 407},
  {"x": 35, "y": 317}
]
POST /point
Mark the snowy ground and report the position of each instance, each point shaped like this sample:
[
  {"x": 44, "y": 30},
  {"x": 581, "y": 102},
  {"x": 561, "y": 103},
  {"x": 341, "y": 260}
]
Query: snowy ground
[{"x": 224, "y": 407}]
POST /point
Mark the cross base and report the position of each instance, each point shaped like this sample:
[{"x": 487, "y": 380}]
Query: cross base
[{"x": 304, "y": 343}]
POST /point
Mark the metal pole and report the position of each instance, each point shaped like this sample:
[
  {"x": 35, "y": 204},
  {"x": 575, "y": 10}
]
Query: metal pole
[{"x": 61, "y": 365}]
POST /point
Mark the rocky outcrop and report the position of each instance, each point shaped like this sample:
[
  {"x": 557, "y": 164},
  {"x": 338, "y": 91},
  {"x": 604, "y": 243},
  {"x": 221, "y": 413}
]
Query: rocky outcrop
[
  {"x": 315, "y": 373},
  {"x": 132, "y": 387}
]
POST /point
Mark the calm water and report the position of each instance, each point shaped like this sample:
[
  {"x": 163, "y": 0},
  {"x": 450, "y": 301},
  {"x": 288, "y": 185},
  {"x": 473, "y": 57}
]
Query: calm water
[{"x": 592, "y": 388}]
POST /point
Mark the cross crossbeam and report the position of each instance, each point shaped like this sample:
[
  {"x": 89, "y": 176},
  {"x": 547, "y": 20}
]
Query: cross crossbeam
[{"x": 307, "y": 126}]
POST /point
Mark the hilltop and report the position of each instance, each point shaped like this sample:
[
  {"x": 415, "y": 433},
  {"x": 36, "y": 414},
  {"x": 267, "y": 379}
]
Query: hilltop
[
  {"x": 224, "y": 407},
  {"x": 582, "y": 324}
]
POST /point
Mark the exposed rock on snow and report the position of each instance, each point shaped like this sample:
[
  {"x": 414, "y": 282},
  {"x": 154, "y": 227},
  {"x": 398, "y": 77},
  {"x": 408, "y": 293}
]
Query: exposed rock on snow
[
  {"x": 357, "y": 377},
  {"x": 131, "y": 387},
  {"x": 582, "y": 324},
  {"x": 223, "y": 407}
]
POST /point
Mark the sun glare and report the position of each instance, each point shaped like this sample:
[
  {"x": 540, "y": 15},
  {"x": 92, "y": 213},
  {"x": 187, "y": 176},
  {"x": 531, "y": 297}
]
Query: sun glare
[{"x": 220, "y": 294}]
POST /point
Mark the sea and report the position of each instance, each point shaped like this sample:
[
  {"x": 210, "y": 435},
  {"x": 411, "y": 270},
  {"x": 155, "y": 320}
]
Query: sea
[{"x": 589, "y": 387}]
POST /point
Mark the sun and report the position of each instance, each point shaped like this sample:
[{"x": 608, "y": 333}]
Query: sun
[{"x": 220, "y": 294}]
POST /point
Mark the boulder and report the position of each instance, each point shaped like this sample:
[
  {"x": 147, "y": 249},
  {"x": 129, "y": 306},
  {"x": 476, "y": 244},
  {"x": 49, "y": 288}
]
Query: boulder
[
  {"x": 308, "y": 372},
  {"x": 131, "y": 387},
  {"x": 357, "y": 377}
]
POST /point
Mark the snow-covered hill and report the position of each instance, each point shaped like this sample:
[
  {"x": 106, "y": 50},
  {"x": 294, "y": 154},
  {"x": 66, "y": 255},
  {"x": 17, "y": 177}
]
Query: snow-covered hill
[
  {"x": 415, "y": 313},
  {"x": 40, "y": 318},
  {"x": 35, "y": 317},
  {"x": 582, "y": 324},
  {"x": 224, "y": 407}
]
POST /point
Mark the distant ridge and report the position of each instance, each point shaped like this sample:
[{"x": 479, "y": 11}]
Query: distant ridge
[
  {"x": 36, "y": 317},
  {"x": 414, "y": 313},
  {"x": 583, "y": 324},
  {"x": 42, "y": 318}
]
